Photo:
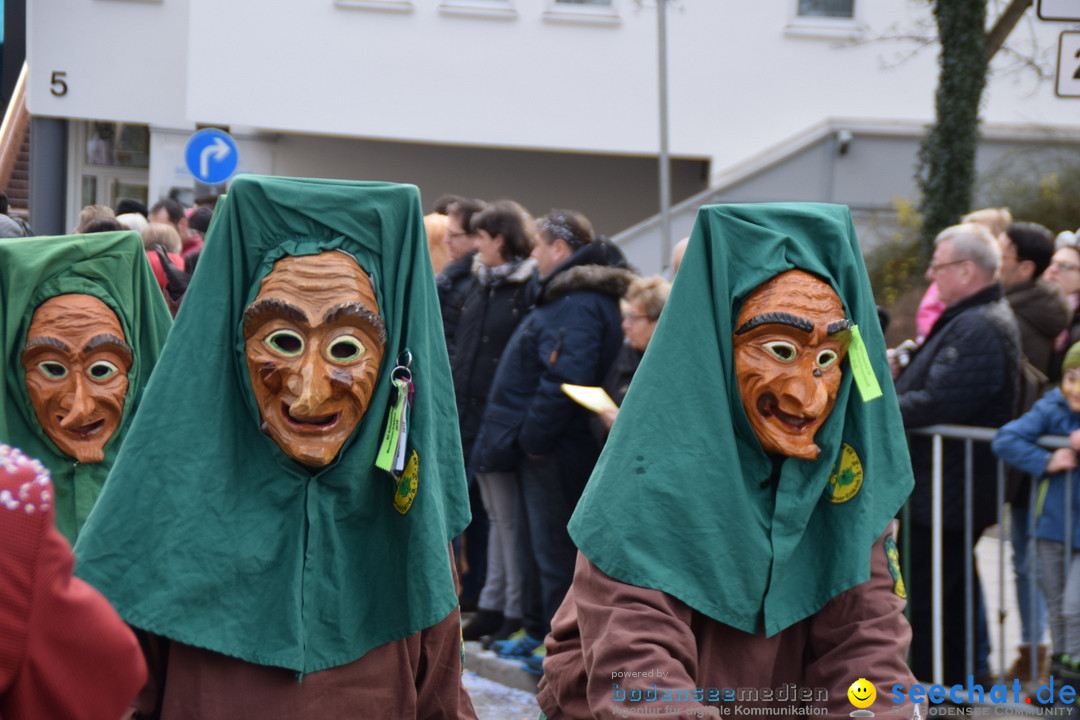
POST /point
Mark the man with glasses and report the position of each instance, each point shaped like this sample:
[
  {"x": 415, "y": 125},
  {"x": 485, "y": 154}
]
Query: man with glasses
[
  {"x": 965, "y": 373},
  {"x": 453, "y": 284},
  {"x": 456, "y": 275}
]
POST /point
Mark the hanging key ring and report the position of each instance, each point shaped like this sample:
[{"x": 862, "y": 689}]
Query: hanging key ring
[{"x": 402, "y": 371}]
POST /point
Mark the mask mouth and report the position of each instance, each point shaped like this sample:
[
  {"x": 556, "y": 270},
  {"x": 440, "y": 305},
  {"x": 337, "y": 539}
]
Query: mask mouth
[
  {"x": 321, "y": 422},
  {"x": 769, "y": 406},
  {"x": 85, "y": 432}
]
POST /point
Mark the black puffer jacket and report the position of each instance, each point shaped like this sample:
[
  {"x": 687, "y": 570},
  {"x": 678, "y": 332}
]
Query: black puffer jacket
[
  {"x": 572, "y": 336},
  {"x": 489, "y": 315},
  {"x": 452, "y": 284},
  {"x": 966, "y": 373}
]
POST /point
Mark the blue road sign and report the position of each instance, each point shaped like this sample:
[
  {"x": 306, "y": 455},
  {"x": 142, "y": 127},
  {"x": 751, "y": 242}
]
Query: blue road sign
[{"x": 211, "y": 156}]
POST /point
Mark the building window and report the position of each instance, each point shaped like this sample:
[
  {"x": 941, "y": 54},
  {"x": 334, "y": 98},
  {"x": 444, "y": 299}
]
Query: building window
[
  {"x": 111, "y": 162},
  {"x": 827, "y": 8},
  {"x": 117, "y": 145},
  {"x": 823, "y": 19},
  {"x": 595, "y": 12},
  {"x": 499, "y": 9},
  {"x": 389, "y": 5}
]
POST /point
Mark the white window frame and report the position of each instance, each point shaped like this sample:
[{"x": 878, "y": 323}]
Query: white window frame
[
  {"x": 497, "y": 9},
  {"x": 580, "y": 13},
  {"x": 403, "y": 6},
  {"x": 105, "y": 174},
  {"x": 819, "y": 26}
]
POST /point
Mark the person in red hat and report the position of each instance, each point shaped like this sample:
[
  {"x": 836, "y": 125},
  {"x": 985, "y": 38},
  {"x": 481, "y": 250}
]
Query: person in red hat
[{"x": 64, "y": 652}]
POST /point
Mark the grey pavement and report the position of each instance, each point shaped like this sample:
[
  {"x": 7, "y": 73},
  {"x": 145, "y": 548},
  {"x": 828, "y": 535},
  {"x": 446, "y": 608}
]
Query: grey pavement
[{"x": 495, "y": 701}]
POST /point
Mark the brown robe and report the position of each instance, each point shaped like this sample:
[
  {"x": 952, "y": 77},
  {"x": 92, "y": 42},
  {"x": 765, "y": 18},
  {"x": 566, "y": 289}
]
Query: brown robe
[
  {"x": 415, "y": 677},
  {"x": 607, "y": 630}
]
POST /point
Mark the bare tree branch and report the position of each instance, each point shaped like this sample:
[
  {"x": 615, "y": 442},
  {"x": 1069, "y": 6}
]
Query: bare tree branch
[
  {"x": 1004, "y": 25},
  {"x": 1015, "y": 61}
]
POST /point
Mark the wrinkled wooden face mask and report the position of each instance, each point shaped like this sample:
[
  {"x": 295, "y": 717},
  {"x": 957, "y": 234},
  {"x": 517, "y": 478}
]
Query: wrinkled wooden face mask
[
  {"x": 790, "y": 340},
  {"x": 76, "y": 362},
  {"x": 314, "y": 342}
]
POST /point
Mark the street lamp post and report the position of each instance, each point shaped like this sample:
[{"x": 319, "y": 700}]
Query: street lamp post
[{"x": 665, "y": 163}]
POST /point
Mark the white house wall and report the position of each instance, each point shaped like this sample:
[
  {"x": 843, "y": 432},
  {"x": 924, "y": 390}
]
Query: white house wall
[
  {"x": 743, "y": 76},
  {"x": 121, "y": 60}
]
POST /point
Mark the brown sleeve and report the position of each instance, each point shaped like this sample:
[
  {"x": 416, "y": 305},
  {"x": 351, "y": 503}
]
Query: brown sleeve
[
  {"x": 440, "y": 694},
  {"x": 155, "y": 649},
  {"x": 629, "y": 636},
  {"x": 862, "y": 632}
]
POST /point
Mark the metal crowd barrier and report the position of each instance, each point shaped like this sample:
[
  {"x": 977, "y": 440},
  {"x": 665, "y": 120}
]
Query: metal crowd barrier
[{"x": 970, "y": 435}]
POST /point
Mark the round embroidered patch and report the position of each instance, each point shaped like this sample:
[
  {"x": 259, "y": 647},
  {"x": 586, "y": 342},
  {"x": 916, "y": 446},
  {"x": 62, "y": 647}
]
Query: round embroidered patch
[
  {"x": 847, "y": 476},
  {"x": 893, "y": 553},
  {"x": 405, "y": 487}
]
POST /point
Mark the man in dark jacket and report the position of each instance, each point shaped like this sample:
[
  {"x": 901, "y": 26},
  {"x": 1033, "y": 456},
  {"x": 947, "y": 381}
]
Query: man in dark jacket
[
  {"x": 453, "y": 284},
  {"x": 966, "y": 373},
  {"x": 1042, "y": 311},
  {"x": 1040, "y": 307},
  {"x": 530, "y": 425},
  {"x": 456, "y": 276}
]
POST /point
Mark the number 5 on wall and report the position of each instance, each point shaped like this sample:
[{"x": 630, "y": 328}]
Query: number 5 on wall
[{"x": 58, "y": 84}]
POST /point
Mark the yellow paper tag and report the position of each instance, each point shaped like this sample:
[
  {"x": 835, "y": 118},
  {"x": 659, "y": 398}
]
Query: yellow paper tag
[
  {"x": 865, "y": 378},
  {"x": 392, "y": 446}
]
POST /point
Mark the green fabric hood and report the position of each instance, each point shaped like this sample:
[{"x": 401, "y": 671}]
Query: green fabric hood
[
  {"x": 112, "y": 267},
  {"x": 207, "y": 533},
  {"x": 682, "y": 507}
]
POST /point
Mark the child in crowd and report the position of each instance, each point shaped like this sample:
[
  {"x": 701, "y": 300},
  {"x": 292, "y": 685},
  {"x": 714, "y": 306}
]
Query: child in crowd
[{"x": 1056, "y": 413}]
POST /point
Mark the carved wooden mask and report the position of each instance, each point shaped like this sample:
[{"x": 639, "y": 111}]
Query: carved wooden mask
[
  {"x": 790, "y": 340},
  {"x": 76, "y": 361},
  {"x": 314, "y": 344}
]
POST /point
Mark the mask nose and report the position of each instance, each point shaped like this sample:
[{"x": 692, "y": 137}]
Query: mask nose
[
  {"x": 804, "y": 395},
  {"x": 79, "y": 405},
  {"x": 314, "y": 389}
]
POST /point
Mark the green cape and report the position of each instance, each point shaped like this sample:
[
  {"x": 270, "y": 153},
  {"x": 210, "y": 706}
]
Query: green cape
[
  {"x": 111, "y": 267},
  {"x": 207, "y": 533},
  {"x": 680, "y": 507}
]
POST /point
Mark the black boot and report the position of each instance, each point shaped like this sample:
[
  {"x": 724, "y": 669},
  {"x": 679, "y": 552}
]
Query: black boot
[
  {"x": 1065, "y": 671},
  {"x": 509, "y": 626},
  {"x": 484, "y": 622}
]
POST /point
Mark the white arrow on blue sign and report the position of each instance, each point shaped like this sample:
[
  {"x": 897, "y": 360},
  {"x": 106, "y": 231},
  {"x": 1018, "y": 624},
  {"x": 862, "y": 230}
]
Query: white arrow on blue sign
[{"x": 211, "y": 156}]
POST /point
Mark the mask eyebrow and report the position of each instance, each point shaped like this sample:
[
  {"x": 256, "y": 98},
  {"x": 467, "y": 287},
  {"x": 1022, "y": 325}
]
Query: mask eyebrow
[
  {"x": 776, "y": 318},
  {"x": 271, "y": 305},
  {"x": 107, "y": 339},
  {"x": 358, "y": 311},
  {"x": 838, "y": 327},
  {"x": 46, "y": 341}
]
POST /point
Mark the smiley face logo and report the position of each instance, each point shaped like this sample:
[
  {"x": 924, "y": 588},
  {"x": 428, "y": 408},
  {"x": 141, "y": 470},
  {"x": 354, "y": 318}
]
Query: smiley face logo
[{"x": 862, "y": 693}]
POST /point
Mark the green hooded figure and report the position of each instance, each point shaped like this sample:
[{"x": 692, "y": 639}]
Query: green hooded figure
[
  {"x": 734, "y": 533},
  {"x": 83, "y": 323},
  {"x": 278, "y": 568}
]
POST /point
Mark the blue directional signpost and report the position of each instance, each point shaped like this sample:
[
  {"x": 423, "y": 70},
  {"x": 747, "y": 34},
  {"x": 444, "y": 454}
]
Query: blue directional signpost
[{"x": 211, "y": 156}]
